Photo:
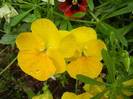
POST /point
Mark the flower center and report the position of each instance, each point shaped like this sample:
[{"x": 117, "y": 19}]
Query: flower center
[{"x": 74, "y": 2}]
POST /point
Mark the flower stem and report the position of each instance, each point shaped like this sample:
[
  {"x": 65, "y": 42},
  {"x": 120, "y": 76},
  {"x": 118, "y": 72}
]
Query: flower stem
[
  {"x": 76, "y": 86},
  {"x": 82, "y": 21},
  {"x": 59, "y": 14},
  {"x": 102, "y": 5},
  {"x": 93, "y": 15},
  {"x": 8, "y": 65}
]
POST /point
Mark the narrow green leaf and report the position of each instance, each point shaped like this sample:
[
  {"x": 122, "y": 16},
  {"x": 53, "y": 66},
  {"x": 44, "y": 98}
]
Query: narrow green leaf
[
  {"x": 78, "y": 14},
  {"x": 90, "y": 4},
  {"x": 16, "y": 19},
  {"x": 98, "y": 96},
  {"x": 109, "y": 64},
  {"x": 25, "y": 6},
  {"x": 121, "y": 11},
  {"x": 69, "y": 26},
  {"x": 118, "y": 35},
  {"x": 30, "y": 18},
  {"x": 128, "y": 88},
  {"x": 124, "y": 30},
  {"x": 89, "y": 80},
  {"x": 7, "y": 28},
  {"x": 103, "y": 29},
  {"x": 37, "y": 14},
  {"x": 50, "y": 13},
  {"x": 30, "y": 93},
  {"x": 131, "y": 59},
  {"x": 127, "y": 78},
  {"x": 124, "y": 95}
]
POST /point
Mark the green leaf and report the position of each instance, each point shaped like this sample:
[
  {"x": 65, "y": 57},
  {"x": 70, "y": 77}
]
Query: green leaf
[
  {"x": 16, "y": 19},
  {"x": 78, "y": 14},
  {"x": 7, "y": 27},
  {"x": 131, "y": 59},
  {"x": 124, "y": 30},
  {"x": 128, "y": 88},
  {"x": 124, "y": 95},
  {"x": 24, "y": 27},
  {"x": 118, "y": 35},
  {"x": 109, "y": 64},
  {"x": 69, "y": 26},
  {"x": 98, "y": 96},
  {"x": 30, "y": 18},
  {"x": 89, "y": 80},
  {"x": 121, "y": 11},
  {"x": 127, "y": 78},
  {"x": 8, "y": 39},
  {"x": 90, "y": 4},
  {"x": 37, "y": 14},
  {"x": 63, "y": 25},
  {"x": 30, "y": 93},
  {"x": 103, "y": 29},
  {"x": 25, "y": 6},
  {"x": 50, "y": 13}
]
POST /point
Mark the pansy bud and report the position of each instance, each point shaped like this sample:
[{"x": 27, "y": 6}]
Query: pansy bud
[
  {"x": 46, "y": 94},
  {"x": 126, "y": 60}
]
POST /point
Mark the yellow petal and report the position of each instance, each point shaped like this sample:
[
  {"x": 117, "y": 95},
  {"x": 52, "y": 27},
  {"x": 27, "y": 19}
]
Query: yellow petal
[
  {"x": 29, "y": 41},
  {"x": 69, "y": 95},
  {"x": 85, "y": 66},
  {"x": 76, "y": 55},
  {"x": 43, "y": 96},
  {"x": 95, "y": 89},
  {"x": 128, "y": 83},
  {"x": 120, "y": 97},
  {"x": 84, "y": 34},
  {"x": 67, "y": 46},
  {"x": 87, "y": 87},
  {"x": 63, "y": 33},
  {"x": 85, "y": 95},
  {"x": 36, "y": 64},
  {"x": 93, "y": 49},
  {"x": 47, "y": 31},
  {"x": 57, "y": 60}
]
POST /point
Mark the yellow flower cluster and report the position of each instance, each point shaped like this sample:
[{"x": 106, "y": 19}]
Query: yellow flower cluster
[{"x": 45, "y": 50}]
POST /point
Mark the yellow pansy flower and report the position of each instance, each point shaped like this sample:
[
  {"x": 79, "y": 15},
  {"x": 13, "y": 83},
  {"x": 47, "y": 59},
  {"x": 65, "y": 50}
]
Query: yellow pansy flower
[
  {"x": 87, "y": 57},
  {"x": 70, "y": 95},
  {"x": 43, "y": 50}
]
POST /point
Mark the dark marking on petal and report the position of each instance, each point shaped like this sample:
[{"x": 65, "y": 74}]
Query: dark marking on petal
[{"x": 75, "y": 7}]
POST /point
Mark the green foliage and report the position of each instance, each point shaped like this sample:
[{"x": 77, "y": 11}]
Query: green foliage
[
  {"x": 8, "y": 39},
  {"x": 7, "y": 82},
  {"x": 109, "y": 64},
  {"x": 90, "y": 4},
  {"x": 112, "y": 20},
  {"x": 78, "y": 14},
  {"x": 19, "y": 17},
  {"x": 89, "y": 80},
  {"x": 98, "y": 96},
  {"x": 30, "y": 93}
]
